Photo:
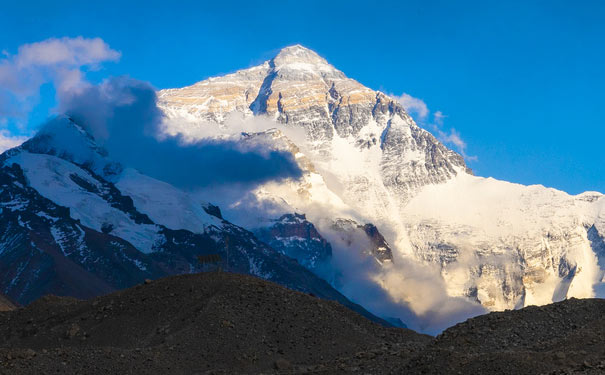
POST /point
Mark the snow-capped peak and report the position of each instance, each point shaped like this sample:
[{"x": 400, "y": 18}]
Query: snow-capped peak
[
  {"x": 300, "y": 54},
  {"x": 299, "y": 57},
  {"x": 64, "y": 138}
]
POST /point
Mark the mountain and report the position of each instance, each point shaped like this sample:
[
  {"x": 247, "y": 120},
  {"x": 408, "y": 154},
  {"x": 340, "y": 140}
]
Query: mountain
[
  {"x": 75, "y": 223},
  {"x": 382, "y": 214},
  {"x": 495, "y": 243},
  {"x": 559, "y": 338}
]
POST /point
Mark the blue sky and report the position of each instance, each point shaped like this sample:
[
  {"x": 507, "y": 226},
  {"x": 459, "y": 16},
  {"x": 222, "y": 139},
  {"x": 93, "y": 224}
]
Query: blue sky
[{"x": 522, "y": 83}]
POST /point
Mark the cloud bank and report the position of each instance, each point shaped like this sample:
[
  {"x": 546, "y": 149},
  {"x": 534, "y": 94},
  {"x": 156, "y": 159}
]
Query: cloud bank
[
  {"x": 406, "y": 289},
  {"x": 61, "y": 62}
]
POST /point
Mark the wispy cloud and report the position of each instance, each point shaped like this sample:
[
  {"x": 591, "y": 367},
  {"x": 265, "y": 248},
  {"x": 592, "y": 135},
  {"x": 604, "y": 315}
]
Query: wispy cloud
[
  {"x": 59, "y": 61},
  {"x": 414, "y": 105},
  {"x": 9, "y": 141},
  {"x": 421, "y": 113}
]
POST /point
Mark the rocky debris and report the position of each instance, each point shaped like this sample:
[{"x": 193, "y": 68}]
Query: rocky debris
[
  {"x": 214, "y": 322},
  {"x": 561, "y": 338},
  {"x": 223, "y": 323}
]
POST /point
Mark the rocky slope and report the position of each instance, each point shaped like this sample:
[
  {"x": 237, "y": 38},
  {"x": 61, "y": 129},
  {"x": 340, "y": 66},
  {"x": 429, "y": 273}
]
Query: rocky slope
[
  {"x": 213, "y": 322},
  {"x": 222, "y": 323},
  {"x": 560, "y": 338},
  {"x": 498, "y": 244}
]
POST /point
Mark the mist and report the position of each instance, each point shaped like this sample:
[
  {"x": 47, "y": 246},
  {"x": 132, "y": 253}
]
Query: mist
[{"x": 405, "y": 288}]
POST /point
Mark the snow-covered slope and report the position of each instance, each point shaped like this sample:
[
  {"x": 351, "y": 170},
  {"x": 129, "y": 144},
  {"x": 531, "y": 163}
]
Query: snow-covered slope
[
  {"x": 364, "y": 158},
  {"x": 507, "y": 244},
  {"x": 73, "y": 222}
]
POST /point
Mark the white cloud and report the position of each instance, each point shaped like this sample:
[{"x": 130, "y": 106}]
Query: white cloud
[
  {"x": 453, "y": 137},
  {"x": 74, "y": 52},
  {"x": 57, "y": 61},
  {"x": 413, "y": 105},
  {"x": 438, "y": 118},
  {"x": 421, "y": 113},
  {"x": 9, "y": 141}
]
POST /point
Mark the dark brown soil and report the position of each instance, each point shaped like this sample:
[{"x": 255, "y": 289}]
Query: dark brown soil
[
  {"x": 201, "y": 323},
  {"x": 560, "y": 338},
  {"x": 226, "y": 323}
]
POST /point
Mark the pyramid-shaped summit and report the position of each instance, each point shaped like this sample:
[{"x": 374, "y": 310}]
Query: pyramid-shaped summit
[
  {"x": 297, "y": 87},
  {"x": 301, "y": 89},
  {"x": 295, "y": 79},
  {"x": 299, "y": 53}
]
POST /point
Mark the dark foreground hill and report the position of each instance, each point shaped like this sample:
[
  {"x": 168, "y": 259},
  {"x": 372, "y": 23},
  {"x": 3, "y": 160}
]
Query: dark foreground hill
[
  {"x": 227, "y": 323},
  {"x": 200, "y": 323},
  {"x": 561, "y": 338}
]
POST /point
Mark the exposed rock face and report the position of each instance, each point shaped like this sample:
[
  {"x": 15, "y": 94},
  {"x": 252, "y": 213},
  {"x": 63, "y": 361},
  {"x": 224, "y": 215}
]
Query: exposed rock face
[
  {"x": 367, "y": 237},
  {"x": 380, "y": 248},
  {"x": 301, "y": 89},
  {"x": 294, "y": 236},
  {"x": 500, "y": 244}
]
